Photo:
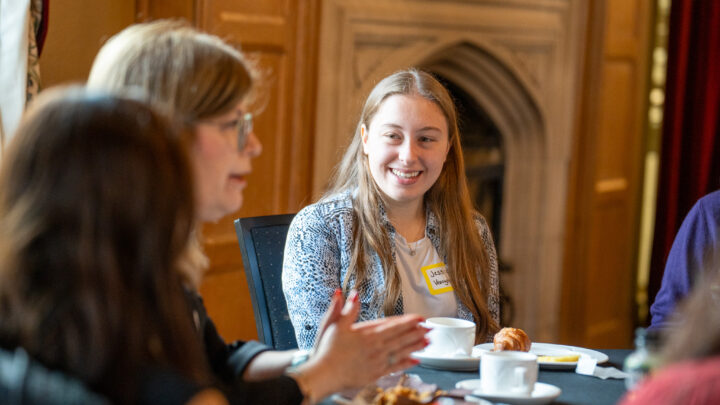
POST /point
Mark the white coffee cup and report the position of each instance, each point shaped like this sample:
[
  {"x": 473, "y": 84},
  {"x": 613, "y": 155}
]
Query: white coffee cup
[
  {"x": 451, "y": 337},
  {"x": 508, "y": 372}
]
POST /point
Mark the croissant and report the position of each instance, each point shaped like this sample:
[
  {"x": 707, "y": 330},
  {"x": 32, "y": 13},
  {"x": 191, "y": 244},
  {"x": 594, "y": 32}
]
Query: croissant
[{"x": 511, "y": 339}]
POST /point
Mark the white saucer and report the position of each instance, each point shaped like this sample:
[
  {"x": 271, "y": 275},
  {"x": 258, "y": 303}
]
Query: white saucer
[
  {"x": 542, "y": 393},
  {"x": 550, "y": 349},
  {"x": 460, "y": 363}
]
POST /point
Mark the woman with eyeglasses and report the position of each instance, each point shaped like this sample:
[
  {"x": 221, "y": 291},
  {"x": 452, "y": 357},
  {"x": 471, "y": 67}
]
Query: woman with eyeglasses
[{"x": 204, "y": 85}]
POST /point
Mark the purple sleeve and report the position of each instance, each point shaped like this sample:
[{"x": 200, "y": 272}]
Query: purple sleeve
[{"x": 694, "y": 251}]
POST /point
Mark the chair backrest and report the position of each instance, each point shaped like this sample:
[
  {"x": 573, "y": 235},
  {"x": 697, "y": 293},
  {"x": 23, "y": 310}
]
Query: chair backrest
[{"x": 262, "y": 242}]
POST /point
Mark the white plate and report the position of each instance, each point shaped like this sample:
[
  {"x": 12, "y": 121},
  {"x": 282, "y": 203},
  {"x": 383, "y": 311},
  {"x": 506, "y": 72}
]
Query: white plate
[
  {"x": 550, "y": 349},
  {"x": 542, "y": 393},
  {"x": 460, "y": 363}
]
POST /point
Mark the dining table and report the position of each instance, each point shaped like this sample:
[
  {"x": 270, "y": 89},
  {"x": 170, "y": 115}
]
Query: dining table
[{"x": 577, "y": 389}]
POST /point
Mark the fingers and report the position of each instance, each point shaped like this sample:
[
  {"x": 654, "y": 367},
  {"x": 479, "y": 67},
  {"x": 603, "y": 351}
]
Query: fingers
[
  {"x": 398, "y": 361},
  {"x": 398, "y": 326},
  {"x": 370, "y": 324},
  {"x": 331, "y": 315},
  {"x": 394, "y": 344},
  {"x": 403, "y": 351},
  {"x": 402, "y": 365},
  {"x": 350, "y": 311},
  {"x": 401, "y": 334},
  {"x": 412, "y": 337},
  {"x": 399, "y": 354},
  {"x": 335, "y": 309},
  {"x": 351, "y": 301},
  {"x": 400, "y": 341},
  {"x": 399, "y": 321}
]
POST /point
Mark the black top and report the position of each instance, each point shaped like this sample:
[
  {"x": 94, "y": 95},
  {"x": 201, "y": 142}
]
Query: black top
[
  {"x": 229, "y": 361},
  {"x": 24, "y": 381}
]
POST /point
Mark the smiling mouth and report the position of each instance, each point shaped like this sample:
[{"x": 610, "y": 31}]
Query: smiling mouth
[{"x": 405, "y": 175}]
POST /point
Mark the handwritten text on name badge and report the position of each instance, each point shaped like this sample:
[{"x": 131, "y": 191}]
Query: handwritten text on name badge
[{"x": 437, "y": 279}]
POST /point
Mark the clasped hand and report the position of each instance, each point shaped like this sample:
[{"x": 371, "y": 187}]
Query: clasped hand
[{"x": 349, "y": 354}]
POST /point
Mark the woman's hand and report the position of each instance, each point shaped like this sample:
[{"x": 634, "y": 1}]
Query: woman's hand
[
  {"x": 350, "y": 354},
  {"x": 333, "y": 313}
]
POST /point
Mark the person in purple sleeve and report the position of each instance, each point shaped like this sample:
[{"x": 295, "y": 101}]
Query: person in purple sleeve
[
  {"x": 695, "y": 253},
  {"x": 689, "y": 372}
]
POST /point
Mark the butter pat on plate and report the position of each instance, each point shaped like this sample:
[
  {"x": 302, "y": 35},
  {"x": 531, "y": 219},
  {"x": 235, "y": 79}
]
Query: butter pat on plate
[{"x": 559, "y": 359}]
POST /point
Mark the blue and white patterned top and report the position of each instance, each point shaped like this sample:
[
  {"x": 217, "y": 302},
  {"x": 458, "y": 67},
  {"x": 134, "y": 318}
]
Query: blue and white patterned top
[{"x": 317, "y": 256}]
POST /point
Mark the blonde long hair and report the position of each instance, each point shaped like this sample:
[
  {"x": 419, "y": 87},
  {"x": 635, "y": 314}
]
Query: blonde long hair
[
  {"x": 449, "y": 200},
  {"x": 185, "y": 74}
]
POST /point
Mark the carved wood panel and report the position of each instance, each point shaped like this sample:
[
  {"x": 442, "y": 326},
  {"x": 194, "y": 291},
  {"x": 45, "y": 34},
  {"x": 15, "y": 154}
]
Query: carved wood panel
[
  {"x": 280, "y": 37},
  {"x": 602, "y": 243}
]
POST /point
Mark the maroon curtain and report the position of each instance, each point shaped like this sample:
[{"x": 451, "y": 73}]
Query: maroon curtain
[
  {"x": 690, "y": 158},
  {"x": 41, "y": 32}
]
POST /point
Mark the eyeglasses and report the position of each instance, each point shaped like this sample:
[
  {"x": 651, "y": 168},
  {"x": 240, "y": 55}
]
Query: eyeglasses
[{"x": 243, "y": 126}]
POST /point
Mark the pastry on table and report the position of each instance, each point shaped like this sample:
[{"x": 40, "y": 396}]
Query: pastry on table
[{"x": 511, "y": 339}]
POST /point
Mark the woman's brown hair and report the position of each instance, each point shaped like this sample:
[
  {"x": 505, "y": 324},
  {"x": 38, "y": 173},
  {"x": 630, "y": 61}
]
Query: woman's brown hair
[
  {"x": 95, "y": 207},
  {"x": 449, "y": 200},
  {"x": 185, "y": 74}
]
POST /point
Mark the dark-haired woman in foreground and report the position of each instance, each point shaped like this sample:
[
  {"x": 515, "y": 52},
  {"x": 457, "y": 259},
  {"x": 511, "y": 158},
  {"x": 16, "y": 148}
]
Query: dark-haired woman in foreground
[{"x": 95, "y": 208}]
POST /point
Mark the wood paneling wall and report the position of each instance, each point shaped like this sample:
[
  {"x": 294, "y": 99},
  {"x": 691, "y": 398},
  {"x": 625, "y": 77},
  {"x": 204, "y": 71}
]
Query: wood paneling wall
[
  {"x": 603, "y": 216},
  {"x": 154, "y": 9},
  {"x": 76, "y": 31},
  {"x": 280, "y": 36}
]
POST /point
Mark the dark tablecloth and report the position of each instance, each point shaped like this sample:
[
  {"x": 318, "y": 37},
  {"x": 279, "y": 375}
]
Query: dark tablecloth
[{"x": 576, "y": 389}]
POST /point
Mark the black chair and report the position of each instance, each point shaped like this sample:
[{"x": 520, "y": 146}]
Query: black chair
[{"x": 262, "y": 242}]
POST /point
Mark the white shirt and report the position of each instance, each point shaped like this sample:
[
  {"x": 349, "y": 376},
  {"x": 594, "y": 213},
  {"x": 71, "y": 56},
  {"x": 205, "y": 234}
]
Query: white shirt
[
  {"x": 425, "y": 284},
  {"x": 14, "y": 31}
]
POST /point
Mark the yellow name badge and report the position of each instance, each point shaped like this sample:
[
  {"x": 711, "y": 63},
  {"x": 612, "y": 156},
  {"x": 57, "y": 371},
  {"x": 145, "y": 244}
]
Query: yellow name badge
[{"x": 437, "y": 279}]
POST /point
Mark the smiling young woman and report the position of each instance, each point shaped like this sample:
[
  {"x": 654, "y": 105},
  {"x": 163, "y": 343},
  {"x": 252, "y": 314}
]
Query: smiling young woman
[
  {"x": 406, "y": 145},
  {"x": 397, "y": 221}
]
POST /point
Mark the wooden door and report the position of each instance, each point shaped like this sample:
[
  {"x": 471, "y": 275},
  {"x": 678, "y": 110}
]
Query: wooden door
[
  {"x": 604, "y": 200},
  {"x": 280, "y": 36}
]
